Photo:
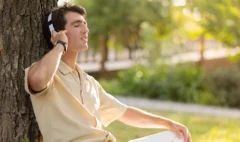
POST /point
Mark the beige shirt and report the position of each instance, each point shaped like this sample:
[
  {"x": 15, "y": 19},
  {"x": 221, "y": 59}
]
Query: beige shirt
[{"x": 62, "y": 117}]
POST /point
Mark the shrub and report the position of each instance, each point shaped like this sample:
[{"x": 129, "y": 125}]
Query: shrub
[
  {"x": 162, "y": 81},
  {"x": 183, "y": 83},
  {"x": 225, "y": 85}
]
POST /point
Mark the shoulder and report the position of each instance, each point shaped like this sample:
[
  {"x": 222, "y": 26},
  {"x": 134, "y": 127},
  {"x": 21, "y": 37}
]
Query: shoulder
[{"x": 92, "y": 79}]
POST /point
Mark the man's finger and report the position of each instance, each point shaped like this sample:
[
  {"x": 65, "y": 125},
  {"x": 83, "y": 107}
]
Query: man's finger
[
  {"x": 189, "y": 138},
  {"x": 185, "y": 134},
  {"x": 178, "y": 133},
  {"x": 52, "y": 40},
  {"x": 64, "y": 31},
  {"x": 53, "y": 33}
]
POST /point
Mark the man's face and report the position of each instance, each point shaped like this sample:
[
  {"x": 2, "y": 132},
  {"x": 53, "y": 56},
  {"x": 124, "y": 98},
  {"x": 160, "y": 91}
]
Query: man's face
[{"x": 77, "y": 32}]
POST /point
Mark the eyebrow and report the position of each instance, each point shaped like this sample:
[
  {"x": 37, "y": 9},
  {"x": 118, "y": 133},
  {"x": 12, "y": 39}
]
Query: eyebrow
[{"x": 79, "y": 21}]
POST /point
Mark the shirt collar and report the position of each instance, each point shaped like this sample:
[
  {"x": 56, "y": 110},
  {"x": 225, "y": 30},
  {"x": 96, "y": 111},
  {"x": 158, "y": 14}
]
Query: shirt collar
[{"x": 64, "y": 68}]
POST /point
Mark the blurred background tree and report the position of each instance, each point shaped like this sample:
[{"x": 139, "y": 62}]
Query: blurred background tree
[
  {"x": 122, "y": 23},
  {"x": 219, "y": 18}
]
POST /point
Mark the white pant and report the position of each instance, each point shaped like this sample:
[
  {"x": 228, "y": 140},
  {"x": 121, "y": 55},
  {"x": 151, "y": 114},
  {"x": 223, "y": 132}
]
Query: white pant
[{"x": 166, "y": 136}]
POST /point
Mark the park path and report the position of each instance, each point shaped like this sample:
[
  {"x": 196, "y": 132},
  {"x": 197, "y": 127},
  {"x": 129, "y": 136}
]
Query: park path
[{"x": 180, "y": 107}]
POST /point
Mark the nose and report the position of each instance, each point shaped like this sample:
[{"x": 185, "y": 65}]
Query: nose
[{"x": 85, "y": 28}]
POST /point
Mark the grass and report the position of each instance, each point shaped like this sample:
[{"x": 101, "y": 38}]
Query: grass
[{"x": 203, "y": 128}]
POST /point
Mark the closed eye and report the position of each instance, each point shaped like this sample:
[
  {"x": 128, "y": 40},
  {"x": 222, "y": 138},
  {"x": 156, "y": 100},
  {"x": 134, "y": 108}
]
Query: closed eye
[
  {"x": 76, "y": 25},
  {"x": 78, "y": 22}
]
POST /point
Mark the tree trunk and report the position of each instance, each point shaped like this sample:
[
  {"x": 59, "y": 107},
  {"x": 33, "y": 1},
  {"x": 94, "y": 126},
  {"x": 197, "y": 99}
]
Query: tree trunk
[
  {"x": 202, "y": 49},
  {"x": 129, "y": 51},
  {"x": 104, "y": 52},
  {"x": 116, "y": 54},
  {"x": 23, "y": 44}
]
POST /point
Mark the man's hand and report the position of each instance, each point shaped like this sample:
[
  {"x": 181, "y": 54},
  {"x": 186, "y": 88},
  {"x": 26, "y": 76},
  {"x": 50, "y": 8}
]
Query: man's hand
[
  {"x": 142, "y": 119},
  {"x": 59, "y": 36},
  {"x": 180, "y": 130}
]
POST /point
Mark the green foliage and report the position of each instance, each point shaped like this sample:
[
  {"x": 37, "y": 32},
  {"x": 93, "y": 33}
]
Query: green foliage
[
  {"x": 26, "y": 139},
  {"x": 112, "y": 86},
  {"x": 183, "y": 83},
  {"x": 225, "y": 85},
  {"x": 177, "y": 83},
  {"x": 220, "y": 18},
  {"x": 234, "y": 58}
]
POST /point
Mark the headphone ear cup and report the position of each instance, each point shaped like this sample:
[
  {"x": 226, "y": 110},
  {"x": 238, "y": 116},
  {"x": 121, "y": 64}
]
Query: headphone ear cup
[
  {"x": 50, "y": 23},
  {"x": 51, "y": 28}
]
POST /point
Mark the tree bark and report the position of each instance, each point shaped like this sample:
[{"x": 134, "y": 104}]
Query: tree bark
[{"x": 22, "y": 44}]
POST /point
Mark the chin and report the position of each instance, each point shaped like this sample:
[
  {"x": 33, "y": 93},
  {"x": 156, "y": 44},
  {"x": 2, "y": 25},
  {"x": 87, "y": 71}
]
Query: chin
[{"x": 84, "y": 48}]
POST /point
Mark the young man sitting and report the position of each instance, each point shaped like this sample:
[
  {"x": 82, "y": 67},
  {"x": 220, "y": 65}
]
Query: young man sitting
[{"x": 70, "y": 105}]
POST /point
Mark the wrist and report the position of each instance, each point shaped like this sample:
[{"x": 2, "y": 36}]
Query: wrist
[
  {"x": 61, "y": 44},
  {"x": 59, "y": 48},
  {"x": 162, "y": 122},
  {"x": 167, "y": 123}
]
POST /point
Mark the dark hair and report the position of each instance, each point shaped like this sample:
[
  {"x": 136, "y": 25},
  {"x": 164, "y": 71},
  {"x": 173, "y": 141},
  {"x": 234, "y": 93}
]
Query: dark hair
[{"x": 58, "y": 19}]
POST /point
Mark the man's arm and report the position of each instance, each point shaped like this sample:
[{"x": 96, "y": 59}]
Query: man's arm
[
  {"x": 141, "y": 119},
  {"x": 42, "y": 72}
]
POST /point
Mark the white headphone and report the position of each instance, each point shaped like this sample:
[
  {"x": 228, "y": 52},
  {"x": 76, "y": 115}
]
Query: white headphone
[{"x": 50, "y": 23}]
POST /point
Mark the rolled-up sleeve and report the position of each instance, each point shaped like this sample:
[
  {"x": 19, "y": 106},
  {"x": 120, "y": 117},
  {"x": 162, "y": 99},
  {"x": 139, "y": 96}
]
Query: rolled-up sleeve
[
  {"x": 110, "y": 108},
  {"x": 28, "y": 89}
]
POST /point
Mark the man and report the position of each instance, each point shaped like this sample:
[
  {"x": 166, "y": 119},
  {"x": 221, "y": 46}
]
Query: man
[{"x": 70, "y": 105}]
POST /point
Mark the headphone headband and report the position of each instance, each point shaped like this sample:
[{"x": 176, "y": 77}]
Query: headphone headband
[{"x": 50, "y": 23}]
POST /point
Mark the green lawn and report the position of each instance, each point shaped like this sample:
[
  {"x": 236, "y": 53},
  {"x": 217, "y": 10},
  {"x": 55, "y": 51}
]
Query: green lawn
[{"x": 203, "y": 128}]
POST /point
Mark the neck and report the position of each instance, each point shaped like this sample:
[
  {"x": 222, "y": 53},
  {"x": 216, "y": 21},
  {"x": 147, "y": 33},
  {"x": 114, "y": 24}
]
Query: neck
[{"x": 70, "y": 58}]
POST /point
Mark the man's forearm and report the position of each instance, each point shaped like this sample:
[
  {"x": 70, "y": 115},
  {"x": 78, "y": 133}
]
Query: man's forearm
[
  {"x": 139, "y": 118},
  {"x": 42, "y": 72}
]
